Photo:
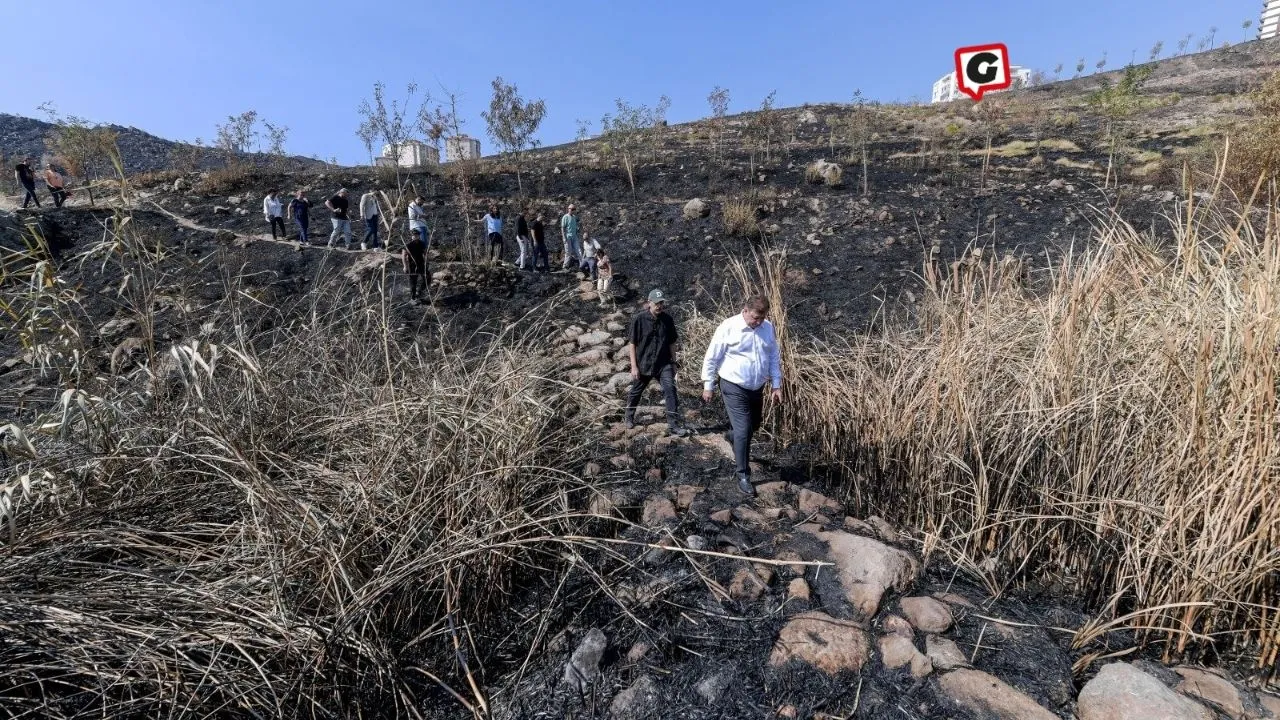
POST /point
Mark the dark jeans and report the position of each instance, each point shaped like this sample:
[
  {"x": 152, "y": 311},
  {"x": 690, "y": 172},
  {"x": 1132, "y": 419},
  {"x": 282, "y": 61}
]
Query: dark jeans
[
  {"x": 745, "y": 408},
  {"x": 589, "y": 265},
  {"x": 31, "y": 195},
  {"x": 417, "y": 262},
  {"x": 371, "y": 230},
  {"x": 495, "y": 246},
  {"x": 59, "y": 195},
  {"x": 302, "y": 231},
  {"x": 278, "y": 222},
  {"x": 540, "y": 251},
  {"x": 667, "y": 378}
]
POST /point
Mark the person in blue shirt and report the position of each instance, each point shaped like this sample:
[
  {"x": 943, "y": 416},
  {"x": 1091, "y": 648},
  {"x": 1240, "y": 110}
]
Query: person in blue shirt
[
  {"x": 299, "y": 207},
  {"x": 493, "y": 233}
]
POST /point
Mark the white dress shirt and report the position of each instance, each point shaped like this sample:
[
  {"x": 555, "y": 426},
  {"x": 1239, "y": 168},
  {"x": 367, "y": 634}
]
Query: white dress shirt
[
  {"x": 272, "y": 207},
  {"x": 743, "y": 355}
]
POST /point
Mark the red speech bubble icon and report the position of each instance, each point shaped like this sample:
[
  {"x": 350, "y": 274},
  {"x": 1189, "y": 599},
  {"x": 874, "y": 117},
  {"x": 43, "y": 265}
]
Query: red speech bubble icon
[{"x": 982, "y": 68}]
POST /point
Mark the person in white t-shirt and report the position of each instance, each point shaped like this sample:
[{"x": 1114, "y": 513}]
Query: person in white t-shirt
[
  {"x": 273, "y": 211},
  {"x": 743, "y": 357}
]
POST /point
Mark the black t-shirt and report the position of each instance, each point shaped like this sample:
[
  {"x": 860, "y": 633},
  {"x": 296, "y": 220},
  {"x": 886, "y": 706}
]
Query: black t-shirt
[
  {"x": 522, "y": 227},
  {"x": 653, "y": 336},
  {"x": 339, "y": 204},
  {"x": 538, "y": 232},
  {"x": 25, "y": 174}
]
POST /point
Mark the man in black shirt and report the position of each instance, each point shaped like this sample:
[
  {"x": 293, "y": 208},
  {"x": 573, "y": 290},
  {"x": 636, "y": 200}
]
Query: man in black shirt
[
  {"x": 27, "y": 177},
  {"x": 522, "y": 239},
  {"x": 341, "y": 223},
  {"x": 540, "y": 244},
  {"x": 652, "y": 348}
]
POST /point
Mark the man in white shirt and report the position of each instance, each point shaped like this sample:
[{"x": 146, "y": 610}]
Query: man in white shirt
[
  {"x": 273, "y": 212},
  {"x": 743, "y": 357},
  {"x": 369, "y": 211}
]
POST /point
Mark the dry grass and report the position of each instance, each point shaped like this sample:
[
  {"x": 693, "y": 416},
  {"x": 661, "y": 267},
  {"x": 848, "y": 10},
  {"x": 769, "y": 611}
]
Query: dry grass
[
  {"x": 1112, "y": 430},
  {"x": 740, "y": 218}
]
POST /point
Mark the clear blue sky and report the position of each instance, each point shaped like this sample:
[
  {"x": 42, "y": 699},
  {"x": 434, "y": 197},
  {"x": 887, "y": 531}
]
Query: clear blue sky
[{"x": 177, "y": 69}]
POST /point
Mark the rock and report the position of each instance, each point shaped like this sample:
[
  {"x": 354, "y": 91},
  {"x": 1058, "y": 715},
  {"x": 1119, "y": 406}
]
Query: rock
[
  {"x": 1212, "y": 689},
  {"x": 898, "y": 625},
  {"x": 601, "y": 504},
  {"x": 1121, "y": 691},
  {"x": 812, "y": 503},
  {"x": 117, "y": 327},
  {"x": 657, "y": 511},
  {"x": 721, "y": 517},
  {"x": 696, "y": 542},
  {"x": 897, "y": 651},
  {"x": 773, "y": 493},
  {"x": 696, "y": 208},
  {"x": 867, "y": 568},
  {"x": 955, "y": 599},
  {"x": 638, "y": 701},
  {"x": 591, "y": 470},
  {"x": 367, "y": 265},
  {"x": 713, "y": 687},
  {"x": 1270, "y": 703},
  {"x": 926, "y": 614},
  {"x": 614, "y": 326},
  {"x": 798, "y": 590},
  {"x": 748, "y": 516},
  {"x": 180, "y": 185},
  {"x": 823, "y": 171},
  {"x": 828, "y": 644},
  {"x": 1056, "y": 184},
  {"x": 234, "y": 200},
  {"x": 599, "y": 337},
  {"x": 979, "y": 692},
  {"x": 685, "y": 495},
  {"x": 854, "y": 525},
  {"x": 638, "y": 651},
  {"x": 883, "y": 528},
  {"x": 884, "y": 216},
  {"x": 584, "y": 665},
  {"x": 746, "y": 585},
  {"x": 224, "y": 236},
  {"x": 654, "y": 475},
  {"x": 944, "y": 654},
  {"x": 622, "y": 462}
]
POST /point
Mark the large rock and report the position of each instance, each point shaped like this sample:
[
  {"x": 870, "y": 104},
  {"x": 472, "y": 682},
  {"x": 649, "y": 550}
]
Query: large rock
[
  {"x": 979, "y": 692},
  {"x": 944, "y": 654},
  {"x": 1213, "y": 689},
  {"x": 898, "y": 651},
  {"x": 1121, "y": 691},
  {"x": 657, "y": 511},
  {"x": 813, "y": 503},
  {"x": 696, "y": 208},
  {"x": 823, "y": 171},
  {"x": 866, "y": 568},
  {"x": 584, "y": 665},
  {"x": 926, "y": 614},
  {"x": 591, "y": 339},
  {"x": 638, "y": 701},
  {"x": 823, "y": 642}
]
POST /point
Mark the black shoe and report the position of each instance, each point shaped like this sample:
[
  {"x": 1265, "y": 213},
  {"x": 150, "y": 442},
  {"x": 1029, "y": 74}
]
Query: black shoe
[
  {"x": 680, "y": 432},
  {"x": 744, "y": 484},
  {"x": 631, "y": 423},
  {"x": 728, "y": 436}
]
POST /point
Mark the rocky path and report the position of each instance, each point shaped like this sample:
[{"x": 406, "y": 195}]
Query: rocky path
[{"x": 786, "y": 606}]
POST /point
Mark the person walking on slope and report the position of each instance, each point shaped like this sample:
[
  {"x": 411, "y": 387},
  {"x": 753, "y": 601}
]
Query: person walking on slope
[
  {"x": 605, "y": 267},
  {"x": 338, "y": 205},
  {"x": 743, "y": 356},
  {"x": 273, "y": 212},
  {"x": 522, "y": 240},
  {"x": 369, "y": 211},
  {"x": 569, "y": 233},
  {"x": 539, "y": 232},
  {"x": 493, "y": 233},
  {"x": 299, "y": 207},
  {"x": 590, "y": 248},
  {"x": 54, "y": 181},
  {"x": 27, "y": 178},
  {"x": 652, "y": 344},
  {"x": 414, "y": 256}
]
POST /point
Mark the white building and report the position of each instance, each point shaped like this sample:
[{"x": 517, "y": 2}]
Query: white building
[
  {"x": 945, "y": 89},
  {"x": 461, "y": 147},
  {"x": 1269, "y": 25},
  {"x": 414, "y": 153}
]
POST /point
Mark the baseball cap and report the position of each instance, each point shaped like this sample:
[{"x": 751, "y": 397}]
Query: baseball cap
[{"x": 657, "y": 296}]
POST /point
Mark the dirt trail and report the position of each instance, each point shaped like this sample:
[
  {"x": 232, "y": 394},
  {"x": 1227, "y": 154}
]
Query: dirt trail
[{"x": 241, "y": 237}]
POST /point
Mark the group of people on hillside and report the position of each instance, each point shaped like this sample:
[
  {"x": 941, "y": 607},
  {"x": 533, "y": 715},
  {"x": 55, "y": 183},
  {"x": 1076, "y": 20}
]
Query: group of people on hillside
[
  {"x": 743, "y": 359},
  {"x": 24, "y": 172}
]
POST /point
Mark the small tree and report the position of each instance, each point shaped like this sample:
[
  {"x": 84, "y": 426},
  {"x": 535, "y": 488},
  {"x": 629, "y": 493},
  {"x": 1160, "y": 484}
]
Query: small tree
[
  {"x": 391, "y": 124},
  {"x": 1079, "y": 67},
  {"x": 1183, "y": 42},
  {"x": 367, "y": 138},
  {"x": 1057, "y": 72},
  {"x": 584, "y": 132},
  {"x": 512, "y": 122},
  {"x": 186, "y": 157},
  {"x": 1156, "y": 50},
  {"x": 718, "y": 99},
  {"x": 1116, "y": 103},
  {"x": 1098, "y": 66},
  {"x": 860, "y": 129},
  {"x": 236, "y": 137},
  {"x": 1245, "y": 26},
  {"x": 763, "y": 128},
  {"x": 657, "y": 126},
  {"x": 625, "y": 132},
  {"x": 444, "y": 120},
  {"x": 1213, "y": 32},
  {"x": 277, "y": 135},
  {"x": 990, "y": 113},
  {"x": 85, "y": 149}
]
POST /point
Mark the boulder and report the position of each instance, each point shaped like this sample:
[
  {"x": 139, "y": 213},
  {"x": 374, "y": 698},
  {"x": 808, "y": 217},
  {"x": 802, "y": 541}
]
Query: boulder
[
  {"x": 898, "y": 625},
  {"x": 1212, "y": 689},
  {"x": 746, "y": 585},
  {"x": 819, "y": 640},
  {"x": 657, "y": 511},
  {"x": 812, "y": 503},
  {"x": 867, "y": 568},
  {"x": 823, "y": 171},
  {"x": 980, "y": 692},
  {"x": 685, "y": 494},
  {"x": 584, "y": 665},
  {"x": 721, "y": 517},
  {"x": 638, "y": 701},
  {"x": 926, "y": 614},
  {"x": 897, "y": 651},
  {"x": 696, "y": 208},
  {"x": 944, "y": 654},
  {"x": 798, "y": 590},
  {"x": 591, "y": 339},
  {"x": 1121, "y": 691}
]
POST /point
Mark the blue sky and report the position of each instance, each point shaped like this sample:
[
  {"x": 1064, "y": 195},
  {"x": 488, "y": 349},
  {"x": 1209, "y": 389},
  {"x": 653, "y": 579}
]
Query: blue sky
[{"x": 177, "y": 69}]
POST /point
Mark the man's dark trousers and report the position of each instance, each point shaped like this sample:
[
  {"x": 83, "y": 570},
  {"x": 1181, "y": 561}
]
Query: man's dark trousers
[
  {"x": 745, "y": 408},
  {"x": 667, "y": 378},
  {"x": 31, "y": 195}
]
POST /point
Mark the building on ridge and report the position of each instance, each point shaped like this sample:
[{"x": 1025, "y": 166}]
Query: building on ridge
[
  {"x": 461, "y": 147},
  {"x": 414, "y": 153},
  {"x": 1269, "y": 25},
  {"x": 945, "y": 90}
]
